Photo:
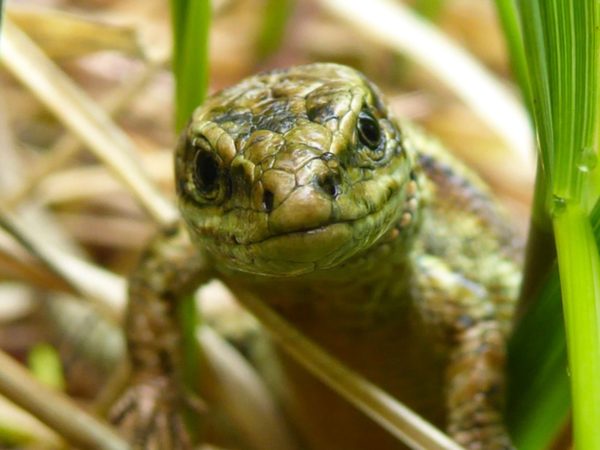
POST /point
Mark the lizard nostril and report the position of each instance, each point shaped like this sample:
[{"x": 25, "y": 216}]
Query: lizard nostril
[
  {"x": 268, "y": 198},
  {"x": 329, "y": 185}
]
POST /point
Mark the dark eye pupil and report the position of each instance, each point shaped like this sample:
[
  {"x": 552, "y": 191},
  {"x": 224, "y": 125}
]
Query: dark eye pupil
[
  {"x": 206, "y": 171},
  {"x": 368, "y": 130}
]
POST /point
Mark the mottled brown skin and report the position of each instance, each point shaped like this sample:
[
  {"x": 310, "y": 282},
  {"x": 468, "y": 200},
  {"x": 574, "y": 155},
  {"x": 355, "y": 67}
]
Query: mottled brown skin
[{"x": 299, "y": 185}]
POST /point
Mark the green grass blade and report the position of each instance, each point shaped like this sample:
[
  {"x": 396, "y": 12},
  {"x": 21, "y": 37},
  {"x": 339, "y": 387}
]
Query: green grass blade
[
  {"x": 188, "y": 320},
  {"x": 178, "y": 9},
  {"x": 535, "y": 47},
  {"x": 430, "y": 9},
  {"x": 272, "y": 32},
  {"x": 573, "y": 72},
  {"x": 539, "y": 391},
  {"x": 540, "y": 244},
  {"x": 562, "y": 53},
  {"x": 509, "y": 20},
  {"x": 579, "y": 267},
  {"x": 191, "y": 24},
  {"x": 541, "y": 251}
]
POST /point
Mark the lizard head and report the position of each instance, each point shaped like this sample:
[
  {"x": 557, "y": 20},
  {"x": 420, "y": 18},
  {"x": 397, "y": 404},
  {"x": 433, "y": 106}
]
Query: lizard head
[{"x": 296, "y": 171}]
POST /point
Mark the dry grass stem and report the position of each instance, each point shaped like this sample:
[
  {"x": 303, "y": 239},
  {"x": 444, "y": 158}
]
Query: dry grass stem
[
  {"x": 82, "y": 116},
  {"x": 55, "y": 409},
  {"x": 66, "y": 147}
]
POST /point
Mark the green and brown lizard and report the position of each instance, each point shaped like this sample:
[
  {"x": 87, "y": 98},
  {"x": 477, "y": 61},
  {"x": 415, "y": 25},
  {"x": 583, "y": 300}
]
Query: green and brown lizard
[{"x": 299, "y": 185}]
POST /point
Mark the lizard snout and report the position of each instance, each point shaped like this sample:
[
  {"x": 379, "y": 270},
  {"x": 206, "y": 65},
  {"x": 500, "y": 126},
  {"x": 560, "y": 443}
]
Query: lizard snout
[{"x": 305, "y": 205}]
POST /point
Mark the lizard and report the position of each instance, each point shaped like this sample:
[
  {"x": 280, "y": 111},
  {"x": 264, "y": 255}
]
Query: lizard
[{"x": 299, "y": 185}]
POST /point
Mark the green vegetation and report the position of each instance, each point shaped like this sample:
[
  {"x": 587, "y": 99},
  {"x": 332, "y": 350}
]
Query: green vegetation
[
  {"x": 561, "y": 48},
  {"x": 276, "y": 16},
  {"x": 46, "y": 366},
  {"x": 191, "y": 26}
]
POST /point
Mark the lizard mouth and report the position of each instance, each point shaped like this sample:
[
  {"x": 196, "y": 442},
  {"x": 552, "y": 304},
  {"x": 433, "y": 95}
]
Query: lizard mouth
[{"x": 301, "y": 252}]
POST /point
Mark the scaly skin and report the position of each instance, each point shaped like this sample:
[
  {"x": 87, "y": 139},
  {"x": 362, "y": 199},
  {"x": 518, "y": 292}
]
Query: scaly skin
[{"x": 299, "y": 185}]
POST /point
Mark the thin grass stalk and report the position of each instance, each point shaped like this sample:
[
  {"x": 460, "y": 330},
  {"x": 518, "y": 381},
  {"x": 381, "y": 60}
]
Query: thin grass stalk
[
  {"x": 430, "y": 9},
  {"x": 579, "y": 267},
  {"x": 537, "y": 63},
  {"x": 82, "y": 116},
  {"x": 67, "y": 146},
  {"x": 540, "y": 251},
  {"x": 55, "y": 409},
  {"x": 539, "y": 397},
  {"x": 275, "y": 19},
  {"x": 178, "y": 9},
  {"x": 93, "y": 282},
  {"x": 509, "y": 20},
  {"x": 540, "y": 243},
  {"x": 191, "y": 373},
  {"x": 191, "y": 26}
]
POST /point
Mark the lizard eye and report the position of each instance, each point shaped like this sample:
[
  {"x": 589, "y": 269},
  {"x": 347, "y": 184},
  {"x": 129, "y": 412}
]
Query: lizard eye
[
  {"x": 368, "y": 130},
  {"x": 206, "y": 172}
]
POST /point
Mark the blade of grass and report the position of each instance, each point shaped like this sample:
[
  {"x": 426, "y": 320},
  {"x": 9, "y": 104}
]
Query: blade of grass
[
  {"x": 430, "y": 9},
  {"x": 246, "y": 402},
  {"x": 81, "y": 114},
  {"x": 178, "y": 11},
  {"x": 51, "y": 28},
  {"x": 275, "y": 18},
  {"x": 188, "y": 321},
  {"x": 191, "y": 26},
  {"x": 579, "y": 267},
  {"x": 397, "y": 26},
  {"x": 539, "y": 396},
  {"x": 18, "y": 429},
  {"x": 509, "y": 20},
  {"x": 540, "y": 252},
  {"x": 83, "y": 277},
  {"x": 572, "y": 36}
]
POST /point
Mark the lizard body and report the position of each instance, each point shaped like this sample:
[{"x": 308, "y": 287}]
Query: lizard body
[{"x": 301, "y": 187}]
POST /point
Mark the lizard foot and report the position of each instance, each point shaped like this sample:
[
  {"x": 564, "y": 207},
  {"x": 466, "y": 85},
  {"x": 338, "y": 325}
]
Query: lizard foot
[{"x": 149, "y": 416}]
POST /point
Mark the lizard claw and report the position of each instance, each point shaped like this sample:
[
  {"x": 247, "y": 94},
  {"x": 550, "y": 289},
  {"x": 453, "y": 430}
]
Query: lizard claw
[{"x": 149, "y": 416}]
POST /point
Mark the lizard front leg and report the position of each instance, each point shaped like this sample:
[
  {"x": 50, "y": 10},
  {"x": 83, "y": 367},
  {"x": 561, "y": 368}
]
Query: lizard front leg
[
  {"x": 471, "y": 328},
  {"x": 150, "y": 412}
]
